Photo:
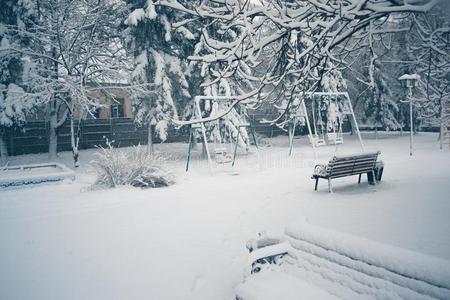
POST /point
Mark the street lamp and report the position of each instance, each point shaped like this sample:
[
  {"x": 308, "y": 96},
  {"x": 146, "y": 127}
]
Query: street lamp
[{"x": 409, "y": 81}]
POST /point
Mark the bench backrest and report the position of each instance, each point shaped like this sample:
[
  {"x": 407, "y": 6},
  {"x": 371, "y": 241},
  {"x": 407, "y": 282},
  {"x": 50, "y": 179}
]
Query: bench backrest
[
  {"x": 352, "y": 165},
  {"x": 352, "y": 267},
  {"x": 367, "y": 267}
]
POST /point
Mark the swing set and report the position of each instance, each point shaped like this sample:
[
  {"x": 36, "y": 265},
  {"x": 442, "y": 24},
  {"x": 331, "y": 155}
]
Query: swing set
[
  {"x": 222, "y": 155},
  {"x": 339, "y": 106}
]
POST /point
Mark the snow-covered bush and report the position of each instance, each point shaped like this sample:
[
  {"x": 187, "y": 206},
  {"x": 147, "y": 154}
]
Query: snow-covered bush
[{"x": 136, "y": 167}]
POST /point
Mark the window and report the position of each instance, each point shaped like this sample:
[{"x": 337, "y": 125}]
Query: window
[
  {"x": 96, "y": 113},
  {"x": 117, "y": 109}
]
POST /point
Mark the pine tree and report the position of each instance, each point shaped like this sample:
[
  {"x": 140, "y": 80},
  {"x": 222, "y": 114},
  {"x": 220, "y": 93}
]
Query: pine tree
[
  {"x": 15, "y": 101},
  {"x": 160, "y": 55},
  {"x": 380, "y": 107}
]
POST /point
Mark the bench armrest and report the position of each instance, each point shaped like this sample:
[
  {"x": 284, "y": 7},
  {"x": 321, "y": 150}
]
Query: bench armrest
[{"x": 321, "y": 170}]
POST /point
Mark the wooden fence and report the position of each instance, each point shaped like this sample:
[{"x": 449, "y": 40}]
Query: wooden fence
[{"x": 122, "y": 132}]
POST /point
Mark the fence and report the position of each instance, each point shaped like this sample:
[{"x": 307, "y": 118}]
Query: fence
[{"x": 122, "y": 132}]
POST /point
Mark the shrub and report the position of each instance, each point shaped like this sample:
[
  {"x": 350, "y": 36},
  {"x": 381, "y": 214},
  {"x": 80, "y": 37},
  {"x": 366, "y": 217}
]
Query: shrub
[{"x": 137, "y": 168}]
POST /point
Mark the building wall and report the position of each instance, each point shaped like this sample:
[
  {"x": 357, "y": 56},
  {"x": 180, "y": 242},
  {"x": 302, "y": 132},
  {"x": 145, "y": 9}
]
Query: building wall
[{"x": 107, "y": 101}]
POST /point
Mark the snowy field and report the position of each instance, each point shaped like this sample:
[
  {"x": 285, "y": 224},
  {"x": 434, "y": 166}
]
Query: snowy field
[{"x": 64, "y": 241}]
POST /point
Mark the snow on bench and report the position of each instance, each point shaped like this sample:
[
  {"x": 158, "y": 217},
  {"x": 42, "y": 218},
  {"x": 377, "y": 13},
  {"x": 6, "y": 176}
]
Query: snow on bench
[
  {"x": 13, "y": 176},
  {"x": 342, "y": 166},
  {"x": 344, "y": 266}
]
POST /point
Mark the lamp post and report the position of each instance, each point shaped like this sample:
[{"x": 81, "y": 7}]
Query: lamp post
[{"x": 409, "y": 81}]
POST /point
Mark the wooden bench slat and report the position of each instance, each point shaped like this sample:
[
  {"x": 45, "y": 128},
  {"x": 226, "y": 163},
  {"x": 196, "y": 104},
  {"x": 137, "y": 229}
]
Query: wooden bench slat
[
  {"x": 368, "y": 163},
  {"x": 338, "y": 163},
  {"x": 372, "y": 161},
  {"x": 352, "y": 158},
  {"x": 352, "y": 174},
  {"x": 354, "y": 167}
]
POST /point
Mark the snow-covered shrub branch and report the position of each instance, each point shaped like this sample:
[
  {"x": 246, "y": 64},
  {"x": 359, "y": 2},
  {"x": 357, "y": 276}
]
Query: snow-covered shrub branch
[{"x": 136, "y": 167}]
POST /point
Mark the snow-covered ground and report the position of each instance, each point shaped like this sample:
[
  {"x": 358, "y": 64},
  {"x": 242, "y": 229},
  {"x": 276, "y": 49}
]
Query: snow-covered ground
[{"x": 64, "y": 241}]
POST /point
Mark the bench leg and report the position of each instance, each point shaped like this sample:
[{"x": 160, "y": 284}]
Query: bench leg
[
  {"x": 330, "y": 188},
  {"x": 371, "y": 177},
  {"x": 317, "y": 181},
  {"x": 359, "y": 179}
]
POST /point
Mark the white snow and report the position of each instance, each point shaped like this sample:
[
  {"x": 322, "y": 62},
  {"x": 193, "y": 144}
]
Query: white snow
[
  {"x": 188, "y": 241},
  {"x": 280, "y": 286},
  {"x": 135, "y": 16},
  {"x": 399, "y": 261},
  {"x": 409, "y": 77}
]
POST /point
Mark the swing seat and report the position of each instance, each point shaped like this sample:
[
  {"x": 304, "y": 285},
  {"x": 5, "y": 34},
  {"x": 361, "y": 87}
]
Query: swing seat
[
  {"x": 222, "y": 156},
  {"x": 334, "y": 139},
  {"x": 317, "y": 142},
  {"x": 220, "y": 151}
]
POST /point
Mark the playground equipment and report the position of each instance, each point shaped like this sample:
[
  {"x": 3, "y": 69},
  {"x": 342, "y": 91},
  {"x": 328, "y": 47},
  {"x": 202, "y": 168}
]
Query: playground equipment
[
  {"x": 335, "y": 137},
  {"x": 339, "y": 106},
  {"x": 15, "y": 176},
  {"x": 316, "y": 139},
  {"x": 222, "y": 155}
]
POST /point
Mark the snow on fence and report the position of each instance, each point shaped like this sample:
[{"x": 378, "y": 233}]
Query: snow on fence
[
  {"x": 13, "y": 176},
  {"x": 350, "y": 267}
]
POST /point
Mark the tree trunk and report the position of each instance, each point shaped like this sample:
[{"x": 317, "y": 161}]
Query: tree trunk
[
  {"x": 53, "y": 110},
  {"x": 3, "y": 151},
  {"x": 204, "y": 152},
  {"x": 150, "y": 147},
  {"x": 53, "y": 135},
  {"x": 74, "y": 141}
]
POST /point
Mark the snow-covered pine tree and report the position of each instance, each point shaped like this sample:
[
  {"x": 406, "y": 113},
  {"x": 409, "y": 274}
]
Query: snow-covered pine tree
[
  {"x": 332, "y": 81},
  {"x": 207, "y": 79},
  {"x": 162, "y": 39},
  {"x": 160, "y": 43},
  {"x": 15, "y": 102},
  {"x": 380, "y": 107}
]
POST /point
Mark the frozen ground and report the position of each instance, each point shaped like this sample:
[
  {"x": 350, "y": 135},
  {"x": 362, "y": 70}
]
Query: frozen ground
[{"x": 187, "y": 241}]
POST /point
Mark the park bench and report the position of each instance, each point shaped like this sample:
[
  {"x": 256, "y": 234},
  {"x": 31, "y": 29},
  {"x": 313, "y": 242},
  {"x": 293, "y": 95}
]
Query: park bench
[
  {"x": 342, "y": 166},
  {"x": 310, "y": 262}
]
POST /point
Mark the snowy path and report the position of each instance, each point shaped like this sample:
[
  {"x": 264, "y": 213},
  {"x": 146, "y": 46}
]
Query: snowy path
[{"x": 188, "y": 241}]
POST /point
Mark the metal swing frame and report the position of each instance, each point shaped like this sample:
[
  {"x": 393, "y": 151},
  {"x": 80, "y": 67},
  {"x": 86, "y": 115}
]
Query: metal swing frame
[
  {"x": 335, "y": 138},
  {"x": 201, "y": 126},
  {"x": 313, "y": 136}
]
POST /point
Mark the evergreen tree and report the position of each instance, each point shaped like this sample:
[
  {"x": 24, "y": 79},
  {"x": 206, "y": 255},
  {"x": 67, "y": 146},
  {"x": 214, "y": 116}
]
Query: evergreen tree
[
  {"x": 380, "y": 107},
  {"x": 162, "y": 41},
  {"x": 160, "y": 49},
  {"x": 15, "y": 101}
]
